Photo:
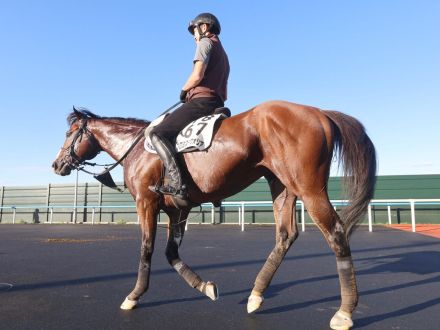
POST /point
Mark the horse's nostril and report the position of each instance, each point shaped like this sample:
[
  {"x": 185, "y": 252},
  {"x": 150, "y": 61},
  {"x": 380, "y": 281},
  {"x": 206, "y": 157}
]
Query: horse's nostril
[{"x": 54, "y": 165}]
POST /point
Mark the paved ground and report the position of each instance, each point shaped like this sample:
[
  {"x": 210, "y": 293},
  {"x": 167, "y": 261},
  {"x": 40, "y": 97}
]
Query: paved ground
[{"x": 75, "y": 277}]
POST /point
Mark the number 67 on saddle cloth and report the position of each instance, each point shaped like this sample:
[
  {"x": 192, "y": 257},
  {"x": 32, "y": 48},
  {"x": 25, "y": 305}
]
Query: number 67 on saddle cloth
[{"x": 197, "y": 135}]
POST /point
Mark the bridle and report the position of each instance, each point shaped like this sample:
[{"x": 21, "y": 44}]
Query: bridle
[{"x": 75, "y": 161}]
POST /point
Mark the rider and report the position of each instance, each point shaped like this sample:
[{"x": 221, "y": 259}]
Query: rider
[{"x": 203, "y": 92}]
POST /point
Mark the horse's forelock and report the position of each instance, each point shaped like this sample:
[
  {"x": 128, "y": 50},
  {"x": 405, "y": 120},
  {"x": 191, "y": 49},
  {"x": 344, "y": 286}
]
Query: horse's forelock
[
  {"x": 71, "y": 119},
  {"x": 79, "y": 114}
]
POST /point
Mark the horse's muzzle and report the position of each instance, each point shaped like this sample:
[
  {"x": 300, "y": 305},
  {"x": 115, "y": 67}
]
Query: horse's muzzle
[{"x": 61, "y": 168}]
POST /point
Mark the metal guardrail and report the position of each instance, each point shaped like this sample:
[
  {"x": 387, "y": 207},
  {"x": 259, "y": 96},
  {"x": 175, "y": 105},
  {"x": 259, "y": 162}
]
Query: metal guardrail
[
  {"x": 375, "y": 202},
  {"x": 241, "y": 208},
  {"x": 50, "y": 209}
]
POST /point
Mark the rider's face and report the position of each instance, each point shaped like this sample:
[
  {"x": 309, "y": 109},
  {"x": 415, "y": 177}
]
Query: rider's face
[
  {"x": 203, "y": 28},
  {"x": 196, "y": 34}
]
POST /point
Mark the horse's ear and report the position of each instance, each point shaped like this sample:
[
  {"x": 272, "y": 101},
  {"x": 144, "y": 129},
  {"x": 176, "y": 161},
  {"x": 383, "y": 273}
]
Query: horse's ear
[{"x": 77, "y": 113}]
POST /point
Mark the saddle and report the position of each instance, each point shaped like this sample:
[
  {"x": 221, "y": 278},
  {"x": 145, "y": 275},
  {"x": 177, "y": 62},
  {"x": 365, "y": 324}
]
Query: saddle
[{"x": 196, "y": 136}]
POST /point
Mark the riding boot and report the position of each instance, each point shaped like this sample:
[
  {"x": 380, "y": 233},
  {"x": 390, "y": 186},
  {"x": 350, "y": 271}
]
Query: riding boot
[{"x": 167, "y": 153}]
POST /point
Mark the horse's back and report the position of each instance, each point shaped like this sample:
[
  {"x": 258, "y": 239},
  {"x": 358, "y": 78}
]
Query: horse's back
[
  {"x": 282, "y": 112},
  {"x": 289, "y": 113},
  {"x": 284, "y": 121}
]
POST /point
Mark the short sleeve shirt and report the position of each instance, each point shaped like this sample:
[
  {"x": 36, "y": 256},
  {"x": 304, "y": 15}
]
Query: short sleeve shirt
[
  {"x": 210, "y": 52},
  {"x": 203, "y": 50}
]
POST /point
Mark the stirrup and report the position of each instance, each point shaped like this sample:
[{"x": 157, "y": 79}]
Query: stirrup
[
  {"x": 170, "y": 190},
  {"x": 154, "y": 189}
]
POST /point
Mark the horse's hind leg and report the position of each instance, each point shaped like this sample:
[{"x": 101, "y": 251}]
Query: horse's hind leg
[
  {"x": 176, "y": 230},
  {"x": 286, "y": 233},
  {"x": 328, "y": 221}
]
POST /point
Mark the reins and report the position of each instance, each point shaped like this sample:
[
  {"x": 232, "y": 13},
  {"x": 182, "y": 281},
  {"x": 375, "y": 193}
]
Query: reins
[
  {"x": 139, "y": 136},
  {"x": 105, "y": 177}
]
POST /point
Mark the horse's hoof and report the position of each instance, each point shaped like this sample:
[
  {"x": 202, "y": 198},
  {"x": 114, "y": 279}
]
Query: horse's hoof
[
  {"x": 254, "y": 303},
  {"x": 211, "y": 290},
  {"x": 341, "y": 321},
  {"x": 129, "y": 304}
]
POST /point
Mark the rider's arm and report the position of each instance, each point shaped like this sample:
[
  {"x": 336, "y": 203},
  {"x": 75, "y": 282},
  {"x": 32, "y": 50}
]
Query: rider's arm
[
  {"x": 201, "y": 60},
  {"x": 196, "y": 76}
]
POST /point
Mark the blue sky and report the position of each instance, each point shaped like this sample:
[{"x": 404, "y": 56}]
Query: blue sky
[{"x": 378, "y": 61}]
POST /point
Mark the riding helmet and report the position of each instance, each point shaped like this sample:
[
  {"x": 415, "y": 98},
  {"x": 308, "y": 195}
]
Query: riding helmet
[{"x": 205, "y": 18}]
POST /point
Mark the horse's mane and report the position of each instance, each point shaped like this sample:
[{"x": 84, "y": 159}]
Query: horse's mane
[{"x": 85, "y": 113}]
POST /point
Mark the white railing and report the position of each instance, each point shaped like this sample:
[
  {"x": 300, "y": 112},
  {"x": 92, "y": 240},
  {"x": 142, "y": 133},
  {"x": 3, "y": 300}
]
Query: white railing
[
  {"x": 375, "y": 202},
  {"x": 396, "y": 202},
  {"x": 50, "y": 209},
  {"x": 241, "y": 207}
]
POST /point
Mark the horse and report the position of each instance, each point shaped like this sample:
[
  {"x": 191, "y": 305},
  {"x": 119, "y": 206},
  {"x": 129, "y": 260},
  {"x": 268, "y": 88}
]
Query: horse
[{"x": 289, "y": 144}]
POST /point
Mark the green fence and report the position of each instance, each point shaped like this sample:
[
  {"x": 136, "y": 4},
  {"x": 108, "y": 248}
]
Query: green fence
[{"x": 92, "y": 201}]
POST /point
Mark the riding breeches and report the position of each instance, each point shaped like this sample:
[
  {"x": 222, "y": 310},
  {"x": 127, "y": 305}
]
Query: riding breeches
[{"x": 182, "y": 116}]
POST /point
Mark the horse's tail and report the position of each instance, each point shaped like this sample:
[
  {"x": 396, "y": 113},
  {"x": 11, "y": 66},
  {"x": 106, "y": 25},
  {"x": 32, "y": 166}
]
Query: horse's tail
[{"x": 358, "y": 157}]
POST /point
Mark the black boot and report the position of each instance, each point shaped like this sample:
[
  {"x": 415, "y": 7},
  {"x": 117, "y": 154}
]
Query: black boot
[{"x": 167, "y": 153}]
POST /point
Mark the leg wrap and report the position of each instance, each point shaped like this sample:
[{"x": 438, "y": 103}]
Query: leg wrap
[
  {"x": 188, "y": 275},
  {"x": 142, "y": 282},
  {"x": 267, "y": 272},
  {"x": 347, "y": 280}
]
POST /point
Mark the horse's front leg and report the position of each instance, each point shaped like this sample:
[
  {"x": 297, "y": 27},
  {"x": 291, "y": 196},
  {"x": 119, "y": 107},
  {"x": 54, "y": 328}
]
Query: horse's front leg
[
  {"x": 147, "y": 217},
  {"x": 176, "y": 230}
]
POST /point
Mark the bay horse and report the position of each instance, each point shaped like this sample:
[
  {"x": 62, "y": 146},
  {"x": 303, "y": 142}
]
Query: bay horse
[{"x": 291, "y": 145}]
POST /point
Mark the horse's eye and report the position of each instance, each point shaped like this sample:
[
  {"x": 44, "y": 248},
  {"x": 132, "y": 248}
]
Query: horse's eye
[{"x": 68, "y": 134}]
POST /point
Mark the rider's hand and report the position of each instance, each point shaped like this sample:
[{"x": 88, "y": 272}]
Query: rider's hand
[{"x": 183, "y": 96}]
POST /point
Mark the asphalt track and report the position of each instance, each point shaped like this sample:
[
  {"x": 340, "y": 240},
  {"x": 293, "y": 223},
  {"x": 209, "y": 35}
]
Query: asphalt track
[{"x": 75, "y": 277}]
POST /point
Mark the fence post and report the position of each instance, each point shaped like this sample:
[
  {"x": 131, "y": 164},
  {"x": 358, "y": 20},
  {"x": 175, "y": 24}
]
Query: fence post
[
  {"x": 47, "y": 202},
  {"x": 239, "y": 215},
  {"x": 1, "y": 203},
  {"x": 413, "y": 216},
  {"x": 93, "y": 215},
  {"x": 370, "y": 219},
  {"x": 85, "y": 209},
  {"x": 51, "y": 215},
  {"x": 389, "y": 215},
  {"x": 75, "y": 198},
  {"x": 242, "y": 216},
  {"x": 303, "y": 217},
  {"x": 13, "y": 215},
  {"x": 100, "y": 201},
  {"x": 212, "y": 214}
]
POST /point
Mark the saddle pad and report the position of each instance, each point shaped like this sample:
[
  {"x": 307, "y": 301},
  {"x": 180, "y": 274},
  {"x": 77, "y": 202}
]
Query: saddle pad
[{"x": 197, "y": 135}]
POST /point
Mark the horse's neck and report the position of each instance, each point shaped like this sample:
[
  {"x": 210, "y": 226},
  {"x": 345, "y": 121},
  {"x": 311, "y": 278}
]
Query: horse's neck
[{"x": 113, "y": 137}]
